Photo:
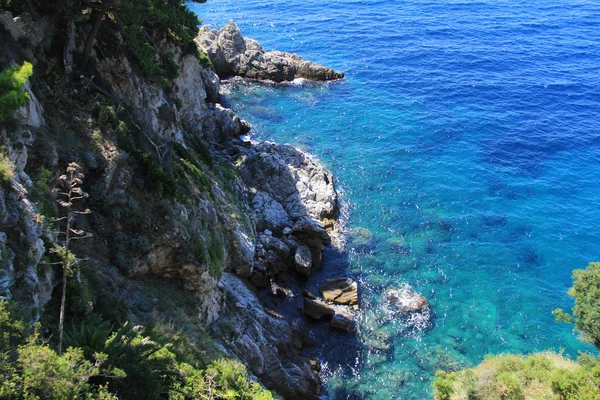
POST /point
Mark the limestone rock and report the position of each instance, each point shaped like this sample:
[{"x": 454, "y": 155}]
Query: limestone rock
[
  {"x": 406, "y": 300},
  {"x": 232, "y": 54},
  {"x": 300, "y": 186},
  {"x": 266, "y": 343},
  {"x": 342, "y": 321},
  {"x": 409, "y": 305},
  {"x": 340, "y": 291},
  {"x": 303, "y": 260},
  {"x": 317, "y": 309}
]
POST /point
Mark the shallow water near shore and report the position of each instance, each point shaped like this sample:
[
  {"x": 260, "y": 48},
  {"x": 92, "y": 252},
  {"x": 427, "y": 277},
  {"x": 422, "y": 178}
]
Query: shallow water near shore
[{"x": 466, "y": 142}]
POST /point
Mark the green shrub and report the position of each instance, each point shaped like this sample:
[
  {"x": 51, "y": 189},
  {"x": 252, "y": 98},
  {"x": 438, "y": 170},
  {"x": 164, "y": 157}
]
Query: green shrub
[
  {"x": 149, "y": 369},
  {"x": 12, "y": 90},
  {"x": 442, "y": 385},
  {"x": 223, "y": 379},
  {"x": 171, "y": 19},
  {"x": 7, "y": 169},
  {"x": 510, "y": 377},
  {"x": 216, "y": 253},
  {"x": 586, "y": 312},
  {"x": 89, "y": 335}
]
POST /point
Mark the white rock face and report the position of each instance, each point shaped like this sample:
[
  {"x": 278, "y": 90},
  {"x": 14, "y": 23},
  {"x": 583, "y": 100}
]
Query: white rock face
[
  {"x": 232, "y": 54},
  {"x": 266, "y": 343},
  {"x": 288, "y": 185}
]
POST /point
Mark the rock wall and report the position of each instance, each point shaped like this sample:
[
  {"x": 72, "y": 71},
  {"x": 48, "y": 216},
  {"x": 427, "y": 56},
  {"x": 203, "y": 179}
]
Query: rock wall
[
  {"x": 232, "y": 54},
  {"x": 267, "y": 216}
]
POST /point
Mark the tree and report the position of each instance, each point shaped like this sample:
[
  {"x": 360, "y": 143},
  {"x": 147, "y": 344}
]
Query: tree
[
  {"x": 72, "y": 181},
  {"x": 12, "y": 90},
  {"x": 586, "y": 312}
]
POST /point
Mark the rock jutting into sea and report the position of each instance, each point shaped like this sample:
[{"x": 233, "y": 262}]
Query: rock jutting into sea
[
  {"x": 233, "y": 55},
  {"x": 178, "y": 196}
]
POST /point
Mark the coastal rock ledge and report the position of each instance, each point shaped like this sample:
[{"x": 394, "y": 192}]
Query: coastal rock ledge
[{"x": 233, "y": 55}]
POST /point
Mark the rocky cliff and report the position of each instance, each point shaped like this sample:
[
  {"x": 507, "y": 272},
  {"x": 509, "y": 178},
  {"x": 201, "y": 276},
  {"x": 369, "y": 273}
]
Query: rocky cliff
[
  {"x": 181, "y": 207},
  {"x": 233, "y": 55}
]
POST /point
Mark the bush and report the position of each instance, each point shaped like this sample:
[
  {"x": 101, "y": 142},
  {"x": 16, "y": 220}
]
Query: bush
[
  {"x": 586, "y": 312},
  {"x": 12, "y": 90},
  {"x": 7, "y": 169},
  {"x": 149, "y": 369},
  {"x": 442, "y": 385},
  {"x": 510, "y": 377},
  {"x": 30, "y": 370},
  {"x": 223, "y": 379},
  {"x": 144, "y": 19}
]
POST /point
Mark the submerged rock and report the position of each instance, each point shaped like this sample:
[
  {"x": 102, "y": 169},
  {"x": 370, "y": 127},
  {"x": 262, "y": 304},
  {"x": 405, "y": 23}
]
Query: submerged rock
[
  {"x": 232, "y": 54},
  {"x": 340, "y": 291},
  {"x": 409, "y": 305}
]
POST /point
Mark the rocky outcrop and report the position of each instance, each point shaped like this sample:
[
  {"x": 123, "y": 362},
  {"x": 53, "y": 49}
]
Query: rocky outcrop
[
  {"x": 233, "y": 55},
  {"x": 186, "y": 236},
  {"x": 303, "y": 260},
  {"x": 21, "y": 249},
  {"x": 295, "y": 202},
  {"x": 405, "y": 303},
  {"x": 268, "y": 343},
  {"x": 287, "y": 185},
  {"x": 318, "y": 309},
  {"x": 340, "y": 291}
]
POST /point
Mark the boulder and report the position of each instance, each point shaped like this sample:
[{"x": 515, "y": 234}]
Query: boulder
[
  {"x": 405, "y": 303},
  {"x": 232, "y": 54},
  {"x": 317, "y": 309},
  {"x": 340, "y": 291},
  {"x": 342, "y": 321},
  {"x": 303, "y": 260}
]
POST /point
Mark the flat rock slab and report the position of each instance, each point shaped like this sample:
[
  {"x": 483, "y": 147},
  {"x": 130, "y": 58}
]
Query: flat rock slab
[
  {"x": 342, "y": 321},
  {"x": 340, "y": 291},
  {"x": 317, "y": 309}
]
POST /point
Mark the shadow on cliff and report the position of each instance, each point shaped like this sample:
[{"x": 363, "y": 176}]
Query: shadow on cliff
[{"x": 287, "y": 186}]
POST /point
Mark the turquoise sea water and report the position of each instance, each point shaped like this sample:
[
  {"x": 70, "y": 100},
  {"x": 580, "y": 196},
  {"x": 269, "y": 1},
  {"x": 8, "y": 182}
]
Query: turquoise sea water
[{"x": 466, "y": 139}]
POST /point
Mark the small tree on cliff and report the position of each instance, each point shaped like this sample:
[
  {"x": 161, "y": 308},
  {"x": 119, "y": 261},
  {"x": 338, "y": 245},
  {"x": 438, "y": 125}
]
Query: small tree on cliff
[
  {"x": 586, "y": 312},
  {"x": 71, "y": 181}
]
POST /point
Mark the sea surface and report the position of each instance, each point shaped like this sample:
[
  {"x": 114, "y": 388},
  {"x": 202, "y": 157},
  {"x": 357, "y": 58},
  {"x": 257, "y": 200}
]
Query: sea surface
[{"x": 465, "y": 139}]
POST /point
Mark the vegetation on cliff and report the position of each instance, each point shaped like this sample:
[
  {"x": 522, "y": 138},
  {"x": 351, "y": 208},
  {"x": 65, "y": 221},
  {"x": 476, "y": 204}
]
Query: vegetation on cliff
[
  {"x": 127, "y": 364},
  {"x": 12, "y": 91},
  {"x": 142, "y": 184},
  {"x": 543, "y": 375}
]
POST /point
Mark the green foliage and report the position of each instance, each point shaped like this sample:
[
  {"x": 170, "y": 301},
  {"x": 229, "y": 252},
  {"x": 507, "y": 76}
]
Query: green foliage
[
  {"x": 442, "y": 385},
  {"x": 196, "y": 175},
  {"x": 149, "y": 369},
  {"x": 223, "y": 379},
  {"x": 128, "y": 364},
  {"x": 581, "y": 384},
  {"x": 538, "y": 376},
  {"x": 216, "y": 253},
  {"x": 12, "y": 90},
  {"x": 146, "y": 19},
  {"x": 89, "y": 335},
  {"x": 586, "y": 312},
  {"x": 7, "y": 169},
  {"x": 29, "y": 370},
  {"x": 48, "y": 375}
]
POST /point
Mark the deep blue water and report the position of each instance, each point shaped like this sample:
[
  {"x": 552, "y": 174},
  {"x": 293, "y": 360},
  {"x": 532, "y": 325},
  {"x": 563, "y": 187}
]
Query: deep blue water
[{"x": 466, "y": 139}]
